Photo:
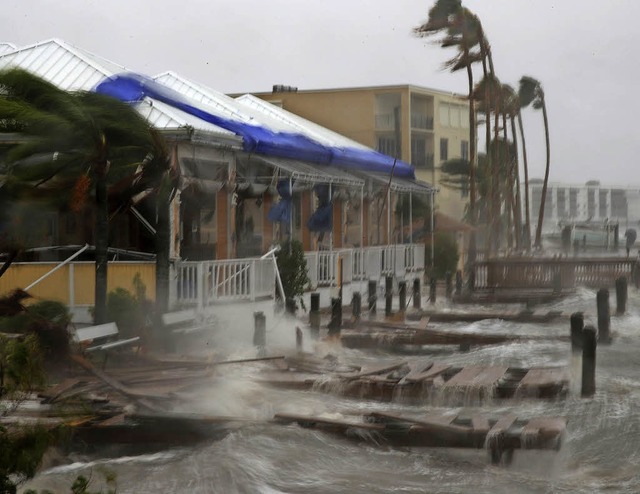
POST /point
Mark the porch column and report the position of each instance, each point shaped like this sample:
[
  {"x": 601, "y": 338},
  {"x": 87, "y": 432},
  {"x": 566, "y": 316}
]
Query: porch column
[
  {"x": 267, "y": 226},
  {"x": 410, "y": 218},
  {"x": 222, "y": 219},
  {"x": 305, "y": 206},
  {"x": 433, "y": 236}
]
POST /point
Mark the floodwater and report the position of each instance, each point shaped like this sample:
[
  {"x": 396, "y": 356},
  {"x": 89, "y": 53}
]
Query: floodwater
[{"x": 600, "y": 453}]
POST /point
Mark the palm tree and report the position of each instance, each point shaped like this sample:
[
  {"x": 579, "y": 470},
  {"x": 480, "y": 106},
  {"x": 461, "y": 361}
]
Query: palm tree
[
  {"x": 78, "y": 142},
  {"x": 531, "y": 93}
]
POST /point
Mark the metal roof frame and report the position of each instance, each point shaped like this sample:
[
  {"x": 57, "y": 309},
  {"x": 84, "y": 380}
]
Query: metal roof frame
[
  {"x": 311, "y": 172},
  {"x": 401, "y": 184}
]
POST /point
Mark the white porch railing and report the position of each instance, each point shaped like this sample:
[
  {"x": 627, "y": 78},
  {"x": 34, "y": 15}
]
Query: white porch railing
[{"x": 210, "y": 282}]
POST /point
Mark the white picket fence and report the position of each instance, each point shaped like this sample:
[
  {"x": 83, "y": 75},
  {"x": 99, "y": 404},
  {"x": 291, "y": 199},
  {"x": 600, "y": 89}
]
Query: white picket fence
[{"x": 209, "y": 282}]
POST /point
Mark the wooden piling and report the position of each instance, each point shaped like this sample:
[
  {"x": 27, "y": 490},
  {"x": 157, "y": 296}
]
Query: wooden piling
[
  {"x": 356, "y": 305},
  {"x": 604, "y": 317},
  {"x": 432, "y": 289},
  {"x": 314, "y": 315},
  {"x": 458, "y": 283},
  {"x": 260, "y": 331},
  {"x": 335, "y": 325},
  {"x": 448, "y": 284},
  {"x": 557, "y": 282},
  {"x": 417, "y": 296},
  {"x": 577, "y": 325},
  {"x": 372, "y": 293},
  {"x": 388, "y": 296},
  {"x": 402, "y": 295},
  {"x": 621, "y": 295},
  {"x": 298, "y": 340},
  {"x": 589, "y": 343}
]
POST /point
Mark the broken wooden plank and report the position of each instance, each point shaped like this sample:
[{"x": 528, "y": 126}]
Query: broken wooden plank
[
  {"x": 119, "y": 387},
  {"x": 540, "y": 377},
  {"x": 310, "y": 421},
  {"x": 431, "y": 372},
  {"x": 476, "y": 376},
  {"x": 376, "y": 370},
  {"x": 480, "y": 425},
  {"x": 52, "y": 394},
  {"x": 544, "y": 428},
  {"x": 502, "y": 425}
]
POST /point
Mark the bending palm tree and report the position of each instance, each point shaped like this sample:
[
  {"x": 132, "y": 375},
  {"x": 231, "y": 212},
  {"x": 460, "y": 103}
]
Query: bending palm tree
[
  {"x": 531, "y": 92},
  {"x": 74, "y": 142}
]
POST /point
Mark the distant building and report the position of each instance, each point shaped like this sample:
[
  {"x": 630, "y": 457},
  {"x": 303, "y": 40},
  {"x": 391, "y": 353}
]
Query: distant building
[
  {"x": 418, "y": 125},
  {"x": 587, "y": 203}
]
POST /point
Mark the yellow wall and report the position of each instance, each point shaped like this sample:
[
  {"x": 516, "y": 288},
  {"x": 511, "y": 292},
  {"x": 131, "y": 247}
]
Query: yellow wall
[{"x": 57, "y": 285}]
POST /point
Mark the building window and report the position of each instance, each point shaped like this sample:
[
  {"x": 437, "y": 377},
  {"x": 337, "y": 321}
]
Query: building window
[
  {"x": 387, "y": 145},
  {"x": 464, "y": 150},
  {"x": 444, "y": 149}
]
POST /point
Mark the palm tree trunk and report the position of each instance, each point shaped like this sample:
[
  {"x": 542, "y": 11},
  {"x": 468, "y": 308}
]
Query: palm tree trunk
[
  {"x": 472, "y": 163},
  {"x": 509, "y": 185},
  {"x": 525, "y": 168},
  {"x": 518, "y": 203},
  {"x": 538, "y": 243},
  {"x": 102, "y": 244}
]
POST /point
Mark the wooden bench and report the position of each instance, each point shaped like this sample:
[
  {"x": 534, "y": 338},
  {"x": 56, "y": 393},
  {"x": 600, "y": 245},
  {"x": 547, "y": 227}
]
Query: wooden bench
[
  {"x": 183, "y": 322},
  {"x": 103, "y": 335}
]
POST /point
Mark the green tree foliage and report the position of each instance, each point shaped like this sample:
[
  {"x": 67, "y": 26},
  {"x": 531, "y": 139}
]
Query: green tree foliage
[
  {"x": 78, "y": 148},
  {"x": 293, "y": 270},
  {"x": 445, "y": 253}
]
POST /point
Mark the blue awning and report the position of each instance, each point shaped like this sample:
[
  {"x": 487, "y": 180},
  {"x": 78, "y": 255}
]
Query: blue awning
[{"x": 130, "y": 87}]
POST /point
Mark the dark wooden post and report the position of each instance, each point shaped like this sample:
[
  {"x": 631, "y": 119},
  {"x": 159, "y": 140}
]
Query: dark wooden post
[
  {"x": 589, "y": 343},
  {"x": 372, "y": 292},
  {"x": 260, "y": 331},
  {"x": 417, "y": 296},
  {"x": 636, "y": 273},
  {"x": 458, "y": 283},
  {"x": 471, "y": 282},
  {"x": 621, "y": 295},
  {"x": 449, "y": 284},
  {"x": 577, "y": 325},
  {"x": 402, "y": 295},
  {"x": 557, "y": 282},
  {"x": 298, "y": 340},
  {"x": 604, "y": 318},
  {"x": 356, "y": 305},
  {"x": 314, "y": 315},
  {"x": 388, "y": 296},
  {"x": 335, "y": 325},
  {"x": 432, "y": 289}
]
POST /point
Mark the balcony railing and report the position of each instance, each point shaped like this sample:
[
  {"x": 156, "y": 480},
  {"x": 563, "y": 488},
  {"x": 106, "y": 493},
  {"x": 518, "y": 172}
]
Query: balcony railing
[
  {"x": 421, "y": 121},
  {"x": 425, "y": 161},
  {"x": 385, "y": 121},
  {"x": 209, "y": 282}
]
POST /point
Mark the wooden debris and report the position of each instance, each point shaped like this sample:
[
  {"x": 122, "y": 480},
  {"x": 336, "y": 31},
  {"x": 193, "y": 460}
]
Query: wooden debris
[{"x": 431, "y": 430}]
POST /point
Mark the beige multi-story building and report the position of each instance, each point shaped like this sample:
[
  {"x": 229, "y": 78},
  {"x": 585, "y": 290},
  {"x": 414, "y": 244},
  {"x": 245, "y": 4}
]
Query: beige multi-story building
[{"x": 418, "y": 125}]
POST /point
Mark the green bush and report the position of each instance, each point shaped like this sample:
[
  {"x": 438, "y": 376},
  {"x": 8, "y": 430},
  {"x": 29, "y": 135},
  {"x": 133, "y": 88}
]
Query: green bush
[
  {"x": 48, "y": 320},
  {"x": 129, "y": 311},
  {"x": 445, "y": 251},
  {"x": 293, "y": 270}
]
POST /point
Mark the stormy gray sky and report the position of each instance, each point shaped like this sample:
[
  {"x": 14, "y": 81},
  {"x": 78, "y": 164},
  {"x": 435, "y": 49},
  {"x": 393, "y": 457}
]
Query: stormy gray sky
[{"x": 584, "y": 52}]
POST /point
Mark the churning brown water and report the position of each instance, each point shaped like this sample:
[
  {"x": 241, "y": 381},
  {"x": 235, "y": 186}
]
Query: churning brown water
[{"x": 600, "y": 453}]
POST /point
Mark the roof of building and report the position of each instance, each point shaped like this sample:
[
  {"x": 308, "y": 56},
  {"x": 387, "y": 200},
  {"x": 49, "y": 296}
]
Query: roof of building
[{"x": 73, "y": 69}]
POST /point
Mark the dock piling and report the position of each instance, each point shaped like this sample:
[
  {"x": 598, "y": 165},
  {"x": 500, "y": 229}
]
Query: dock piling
[
  {"x": 372, "y": 292},
  {"x": 621, "y": 295},
  {"x": 298, "y": 340},
  {"x": 604, "y": 317},
  {"x": 260, "y": 332},
  {"x": 577, "y": 325},
  {"x": 314, "y": 315},
  {"x": 589, "y": 343},
  {"x": 417, "y": 296},
  {"x": 335, "y": 325},
  {"x": 432, "y": 289},
  {"x": 356, "y": 305},
  {"x": 458, "y": 283},
  {"x": 388, "y": 296},
  {"x": 402, "y": 295}
]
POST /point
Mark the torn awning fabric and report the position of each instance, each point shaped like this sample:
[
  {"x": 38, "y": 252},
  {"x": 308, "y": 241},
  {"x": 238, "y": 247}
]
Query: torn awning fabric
[
  {"x": 320, "y": 220},
  {"x": 132, "y": 88},
  {"x": 280, "y": 212}
]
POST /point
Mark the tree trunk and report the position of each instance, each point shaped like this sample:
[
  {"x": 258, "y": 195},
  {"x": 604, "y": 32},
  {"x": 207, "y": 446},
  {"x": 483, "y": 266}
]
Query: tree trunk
[
  {"x": 102, "y": 244},
  {"x": 163, "y": 245},
  {"x": 538, "y": 243},
  {"x": 518, "y": 205},
  {"x": 525, "y": 167}
]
